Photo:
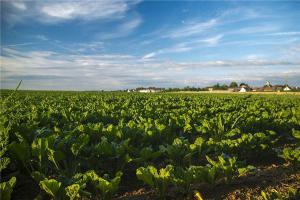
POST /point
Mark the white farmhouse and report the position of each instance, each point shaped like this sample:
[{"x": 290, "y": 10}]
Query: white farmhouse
[
  {"x": 287, "y": 88},
  {"x": 145, "y": 90},
  {"x": 243, "y": 89},
  {"x": 149, "y": 90}
]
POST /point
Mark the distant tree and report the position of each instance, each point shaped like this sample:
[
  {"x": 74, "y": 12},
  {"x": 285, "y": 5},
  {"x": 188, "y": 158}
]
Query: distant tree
[
  {"x": 220, "y": 87},
  {"x": 244, "y": 84},
  {"x": 233, "y": 84},
  {"x": 224, "y": 87},
  {"x": 217, "y": 86},
  {"x": 187, "y": 88}
]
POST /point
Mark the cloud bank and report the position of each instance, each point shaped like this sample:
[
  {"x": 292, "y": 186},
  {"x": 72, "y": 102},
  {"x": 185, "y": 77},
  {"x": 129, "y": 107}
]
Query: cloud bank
[
  {"x": 53, "y": 70},
  {"x": 61, "y": 11}
]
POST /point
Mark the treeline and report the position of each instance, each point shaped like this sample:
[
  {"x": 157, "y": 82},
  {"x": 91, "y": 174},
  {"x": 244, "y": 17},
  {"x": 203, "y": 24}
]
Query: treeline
[{"x": 217, "y": 86}]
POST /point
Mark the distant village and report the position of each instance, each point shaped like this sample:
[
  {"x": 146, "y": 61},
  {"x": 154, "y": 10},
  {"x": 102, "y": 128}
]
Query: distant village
[{"x": 232, "y": 87}]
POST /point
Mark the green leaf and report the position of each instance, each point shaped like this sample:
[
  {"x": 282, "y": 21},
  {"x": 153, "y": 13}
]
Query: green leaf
[
  {"x": 72, "y": 191},
  {"x": 114, "y": 184},
  {"x": 211, "y": 175},
  {"x": 198, "y": 173},
  {"x": 145, "y": 175},
  {"x": 165, "y": 173},
  {"x": 244, "y": 170},
  {"x": 55, "y": 156},
  {"x": 6, "y": 188},
  {"x": 38, "y": 176},
  {"x": 80, "y": 142},
  {"x": 213, "y": 163},
  {"x": 20, "y": 151},
  {"x": 159, "y": 180},
  {"x": 39, "y": 148},
  {"x": 3, "y": 163},
  {"x": 51, "y": 186},
  {"x": 296, "y": 134},
  {"x": 197, "y": 144},
  {"x": 104, "y": 147},
  {"x": 106, "y": 187}
]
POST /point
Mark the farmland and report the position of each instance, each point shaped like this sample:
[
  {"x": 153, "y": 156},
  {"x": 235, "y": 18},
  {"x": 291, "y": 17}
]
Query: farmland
[{"x": 88, "y": 145}]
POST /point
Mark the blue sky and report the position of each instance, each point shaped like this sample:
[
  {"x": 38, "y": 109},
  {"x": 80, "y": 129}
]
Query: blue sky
[{"x": 94, "y": 45}]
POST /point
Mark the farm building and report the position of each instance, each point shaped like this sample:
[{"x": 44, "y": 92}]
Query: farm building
[
  {"x": 148, "y": 90},
  {"x": 286, "y": 88},
  {"x": 144, "y": 90},
  {"x": 243, "y": 89},
  {"x": 268, "y": 87},
  {"x": 275, "y": 88}
]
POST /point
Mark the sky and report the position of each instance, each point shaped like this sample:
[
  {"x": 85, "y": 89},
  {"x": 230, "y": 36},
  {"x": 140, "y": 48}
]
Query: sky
[{"x": 119, "y": 44}]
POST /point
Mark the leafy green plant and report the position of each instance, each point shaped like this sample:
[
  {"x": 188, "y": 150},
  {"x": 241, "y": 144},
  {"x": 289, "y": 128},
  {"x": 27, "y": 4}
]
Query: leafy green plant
[
  {"x": 20, "y": 151},
  {"x": 296, "y": 134},
  {"x": 292, "y": 194},
  {"x": 159, "y": 180},
  {"x": 291, "y": 155},
  {"x": 113, "y": 155},
  {"x": 106, "y": 187},
  {"x": 51, "y": 187},
  {"x": 224, "y": 166},
  {"x": 72, "y": 191},
  {"x": 204, "y": 174},
  {"x": 178, "y": 152},
  {"x": 273, "y": 195},
  {"x": 147, "y": 154},
  {"x": 6, "y": 188},
  {"x": 228, "y": 167},
  {"x": 60, "y": 135},
  {"x": 183, "y": 178},
  {"x": 41, "y": 150},
  {"x": 198, "y": 144},
  {"x": 79, "y": 144}
]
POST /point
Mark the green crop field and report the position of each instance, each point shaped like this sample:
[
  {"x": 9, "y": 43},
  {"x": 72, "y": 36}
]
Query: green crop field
[{"x": 89, "y": 145}]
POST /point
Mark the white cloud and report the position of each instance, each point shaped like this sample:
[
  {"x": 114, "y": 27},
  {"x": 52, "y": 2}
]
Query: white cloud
[
  {"x": 281, "y": 42},
  {"x": 59, "y": 11},
  {"x": 255, "y": 57},
  {"x": 42, "y": 37},
  {"x": 292, "y": 51},
  {"x": 290, "y": 33},
  {"x": 192, "y": 29},
  {"x": 149, "y": 55},
  {"x": 255, "y": 29},
  {"x": 19, "y": 5},
  {"x": 239, "y": 14},
  {"x": 84, "y": 10},
  {"x": 124, "y": 29},
  {"x": 19, "y": 44},
  {"x": 56, "y": 70},
  {"x": 89, "y": 46},
  {"x": 131, "y": 24},
  {"x": 187, "y": 46},
  {"x": 212, "y": 41},
  {"x": 240, "y": 63},
  {"x": 227, "y": 17},
  {"x": 181, "y": 47}
]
